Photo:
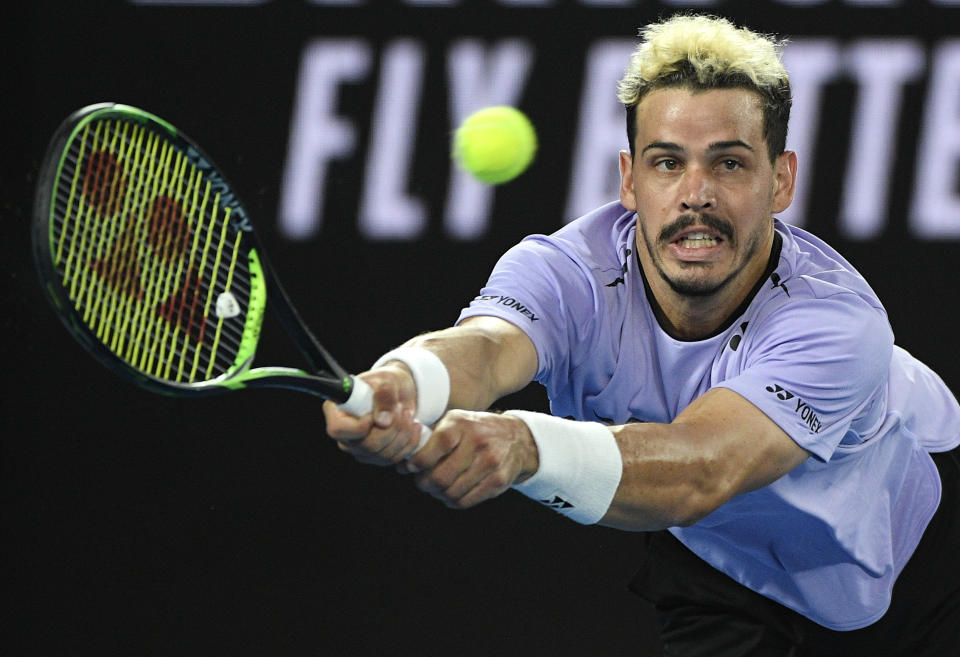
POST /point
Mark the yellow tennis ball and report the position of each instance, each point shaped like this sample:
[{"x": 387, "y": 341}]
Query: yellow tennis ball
[{"x": 495, "y": 144}]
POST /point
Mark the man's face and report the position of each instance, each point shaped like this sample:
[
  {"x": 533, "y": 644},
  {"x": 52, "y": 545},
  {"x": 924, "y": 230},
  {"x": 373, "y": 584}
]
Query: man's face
[{"x": 704, "y": 189}]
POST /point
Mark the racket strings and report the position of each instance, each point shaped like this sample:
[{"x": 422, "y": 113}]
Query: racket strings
[{"x": 147, "y": 253}]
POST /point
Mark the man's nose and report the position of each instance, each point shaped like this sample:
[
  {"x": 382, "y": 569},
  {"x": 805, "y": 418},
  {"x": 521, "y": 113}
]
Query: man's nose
[{"x": 697, "y": 193}]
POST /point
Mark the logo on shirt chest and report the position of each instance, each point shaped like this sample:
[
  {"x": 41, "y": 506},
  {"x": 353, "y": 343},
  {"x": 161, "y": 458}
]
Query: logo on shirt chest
[{"x": 802, "y": 409}]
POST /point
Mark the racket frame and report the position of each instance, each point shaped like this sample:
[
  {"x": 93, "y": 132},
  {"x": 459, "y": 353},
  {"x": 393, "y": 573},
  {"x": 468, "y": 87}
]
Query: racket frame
[{"x": 324, "y": 378}]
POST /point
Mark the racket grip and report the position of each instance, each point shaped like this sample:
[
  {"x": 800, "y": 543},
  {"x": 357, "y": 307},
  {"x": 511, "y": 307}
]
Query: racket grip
[{"x": 360, "y": 402}]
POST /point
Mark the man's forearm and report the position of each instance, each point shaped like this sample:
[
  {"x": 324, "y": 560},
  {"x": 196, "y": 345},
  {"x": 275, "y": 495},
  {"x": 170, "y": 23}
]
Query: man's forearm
[
  {"x": 486, "y": 358},
  {"x": 675, "y": 474}
]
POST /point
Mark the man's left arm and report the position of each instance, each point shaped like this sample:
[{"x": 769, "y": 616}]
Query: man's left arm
[{"x": 674, "y": 474}]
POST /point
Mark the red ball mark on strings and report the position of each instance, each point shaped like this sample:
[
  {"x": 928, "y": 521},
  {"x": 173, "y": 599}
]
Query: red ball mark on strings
[
  {"x": 103, "y": 182},
  {"x": 120, "y": 267},
  {"x": 168, "y": 235}
]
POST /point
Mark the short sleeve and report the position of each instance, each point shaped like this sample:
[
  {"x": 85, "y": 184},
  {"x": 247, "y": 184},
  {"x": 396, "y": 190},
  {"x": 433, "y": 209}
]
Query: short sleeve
[
  {"x": 817, "y": 367},
  {"x": 546, "y": 293}
]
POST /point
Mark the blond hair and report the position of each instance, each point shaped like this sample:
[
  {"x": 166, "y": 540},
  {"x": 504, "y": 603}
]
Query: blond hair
[{"x": 708, "y": 52}]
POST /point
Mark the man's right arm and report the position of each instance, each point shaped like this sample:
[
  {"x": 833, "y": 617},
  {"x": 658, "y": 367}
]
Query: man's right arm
[{"x": 486, "y": 358}]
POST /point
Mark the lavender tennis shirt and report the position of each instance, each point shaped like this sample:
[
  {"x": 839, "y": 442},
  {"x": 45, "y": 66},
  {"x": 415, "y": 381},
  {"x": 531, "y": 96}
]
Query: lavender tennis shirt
[{"x": 813, "y": 350}]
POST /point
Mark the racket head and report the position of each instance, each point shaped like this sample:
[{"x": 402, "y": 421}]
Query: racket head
[{"x": 149, "y": 257}]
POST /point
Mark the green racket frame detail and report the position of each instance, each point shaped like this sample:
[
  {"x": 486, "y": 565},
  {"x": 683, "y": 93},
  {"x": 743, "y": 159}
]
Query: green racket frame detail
[{"x": 329, "y": 380}]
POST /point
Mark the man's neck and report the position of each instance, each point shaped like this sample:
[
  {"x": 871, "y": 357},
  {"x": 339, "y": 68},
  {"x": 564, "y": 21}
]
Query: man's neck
[{"x": 686, "y": 317}]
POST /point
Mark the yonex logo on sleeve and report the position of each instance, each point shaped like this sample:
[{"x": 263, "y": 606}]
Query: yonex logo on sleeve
[
  {"x": 509, "y": 302},
  {"x": 781, "y": 394},
  {"x": 803, "y": 409}
]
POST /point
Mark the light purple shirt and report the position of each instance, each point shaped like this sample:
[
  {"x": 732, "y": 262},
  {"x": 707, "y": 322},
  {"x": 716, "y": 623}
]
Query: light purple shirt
[{"x": 813, "y": 350}]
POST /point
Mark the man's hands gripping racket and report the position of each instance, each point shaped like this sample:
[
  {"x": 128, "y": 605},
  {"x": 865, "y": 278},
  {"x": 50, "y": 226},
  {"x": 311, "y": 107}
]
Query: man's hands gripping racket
[{"x": 151, "y": 261}]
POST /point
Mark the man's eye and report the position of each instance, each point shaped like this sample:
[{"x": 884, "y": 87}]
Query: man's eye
[
  {"x": 731, "y": 165},
  {"x": 667, "y": 165}
]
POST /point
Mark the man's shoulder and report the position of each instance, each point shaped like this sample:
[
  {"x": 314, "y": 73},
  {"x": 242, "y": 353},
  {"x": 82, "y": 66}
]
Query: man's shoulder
[
  {"x": 809, "y": 268},
  {"x": 599, "y": 222},
  {"x": 598, "y": 240}
]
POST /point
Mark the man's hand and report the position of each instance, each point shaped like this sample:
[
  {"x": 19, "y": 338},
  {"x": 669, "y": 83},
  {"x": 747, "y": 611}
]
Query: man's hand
[
  {"x": 486, "y": 358},
  {"x": 388, "y": 434},
  {"x": 472, "y": 457}
]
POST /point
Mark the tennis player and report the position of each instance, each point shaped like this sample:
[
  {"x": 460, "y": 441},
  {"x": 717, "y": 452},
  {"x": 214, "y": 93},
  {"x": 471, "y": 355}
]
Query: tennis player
[{"x": 712, "y": 372}]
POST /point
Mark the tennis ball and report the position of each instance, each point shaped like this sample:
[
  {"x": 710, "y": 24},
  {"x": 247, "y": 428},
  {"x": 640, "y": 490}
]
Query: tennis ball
[{"x": 495, "y": 144}]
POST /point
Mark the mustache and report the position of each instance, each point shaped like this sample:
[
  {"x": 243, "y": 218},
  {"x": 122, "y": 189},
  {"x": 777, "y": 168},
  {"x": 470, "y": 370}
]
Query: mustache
[{"x": 684, "y": 221}]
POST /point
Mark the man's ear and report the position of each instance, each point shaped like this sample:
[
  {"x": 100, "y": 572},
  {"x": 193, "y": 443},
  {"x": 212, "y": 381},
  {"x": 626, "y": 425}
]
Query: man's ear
[
  {"x": 784, "y": 180},
  {"x": 627, "y": 197}
]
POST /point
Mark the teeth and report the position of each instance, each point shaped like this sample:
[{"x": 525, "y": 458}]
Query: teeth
[{"x": 697, "y": 240}]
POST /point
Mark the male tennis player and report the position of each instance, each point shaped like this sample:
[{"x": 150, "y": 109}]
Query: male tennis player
[{"x": 730, "y": 379}]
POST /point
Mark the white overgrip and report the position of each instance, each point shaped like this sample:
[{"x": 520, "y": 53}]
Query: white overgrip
[{"x": 360, "y": 401}]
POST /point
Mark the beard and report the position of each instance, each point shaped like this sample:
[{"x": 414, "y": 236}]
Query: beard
[{"x": 703, "y": 285}]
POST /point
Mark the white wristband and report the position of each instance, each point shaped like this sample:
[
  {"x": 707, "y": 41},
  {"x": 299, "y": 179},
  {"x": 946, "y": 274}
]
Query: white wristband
[
  {"x": 429, "y": 375},
  {"x": 580, "y": 466}
]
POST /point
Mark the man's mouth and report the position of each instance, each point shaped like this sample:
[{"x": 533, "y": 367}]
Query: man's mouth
[
  {"x": 691, "y": 231},
  {"x": 696, "y": 240}
]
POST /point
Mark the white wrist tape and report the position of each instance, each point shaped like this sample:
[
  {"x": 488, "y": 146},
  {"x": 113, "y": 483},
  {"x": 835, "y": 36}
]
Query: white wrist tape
[
  {"x": 580, "y": 466},
  {"x": 429, "y": 375}
]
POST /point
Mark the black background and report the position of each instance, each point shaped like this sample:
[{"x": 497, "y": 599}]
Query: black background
[{"x": 140, "y": 525}]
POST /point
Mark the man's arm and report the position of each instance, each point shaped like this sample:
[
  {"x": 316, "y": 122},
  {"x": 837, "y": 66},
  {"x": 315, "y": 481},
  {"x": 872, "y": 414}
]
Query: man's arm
[
  {"x": 486, "y": 358},
  {"x": 720, "y": 446},
  {"x": 674, "y": 474}
]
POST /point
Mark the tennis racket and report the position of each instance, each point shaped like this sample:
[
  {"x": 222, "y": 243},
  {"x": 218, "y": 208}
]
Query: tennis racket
[{"x": 151, "y": 261}]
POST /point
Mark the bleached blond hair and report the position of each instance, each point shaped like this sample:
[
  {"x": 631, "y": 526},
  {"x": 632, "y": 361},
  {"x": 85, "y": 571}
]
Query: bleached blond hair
[{"x": 708, "y": 52}]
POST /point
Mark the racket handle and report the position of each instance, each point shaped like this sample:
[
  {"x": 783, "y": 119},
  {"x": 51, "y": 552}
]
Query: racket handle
[{"x": 360, "y": 402}]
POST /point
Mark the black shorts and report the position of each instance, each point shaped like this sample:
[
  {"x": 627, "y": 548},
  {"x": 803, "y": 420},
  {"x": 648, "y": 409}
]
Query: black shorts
[{"x": 703, "y": 612}]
